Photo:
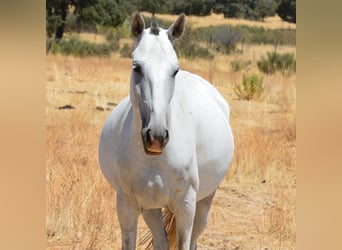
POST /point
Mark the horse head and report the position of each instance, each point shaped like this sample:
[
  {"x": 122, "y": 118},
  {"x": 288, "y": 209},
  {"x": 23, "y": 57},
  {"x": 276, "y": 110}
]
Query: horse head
[{"x": 154, "y": 70}]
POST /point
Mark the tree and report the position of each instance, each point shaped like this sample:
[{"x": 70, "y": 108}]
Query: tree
[
  {"x": 248, "y": 9},
  {"x": 52, "y": 22},
  {"x": 88, "y": 13},
  {"x": 99, "y": 12},
  {"x": 56, "y": 13},
  {"x": 287, "y": 10},
  {"x": 193, "y": 7},
  {"x": 234, "y": 9},
  {"x": 266, "y": 8},
  {"x": 156, "y": 6}
]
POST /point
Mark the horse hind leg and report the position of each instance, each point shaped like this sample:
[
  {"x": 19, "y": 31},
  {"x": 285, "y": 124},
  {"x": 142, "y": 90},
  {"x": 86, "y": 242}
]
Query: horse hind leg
[
  {"x": 201, "y": 218},
  {"x": 154, "y": 220}
]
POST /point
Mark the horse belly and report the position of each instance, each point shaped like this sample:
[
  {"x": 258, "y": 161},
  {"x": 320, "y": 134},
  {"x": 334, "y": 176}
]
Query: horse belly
[
  {"x": 214, "y": 154},
  {"x": 210, "y": 120}
]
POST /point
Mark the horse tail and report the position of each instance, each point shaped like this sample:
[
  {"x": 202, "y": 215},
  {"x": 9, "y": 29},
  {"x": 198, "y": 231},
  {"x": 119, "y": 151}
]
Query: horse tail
[{"x": 170, "y": 228}]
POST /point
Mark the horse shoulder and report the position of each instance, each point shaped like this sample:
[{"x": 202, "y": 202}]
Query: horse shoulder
[{"x": 108, "y": 146}]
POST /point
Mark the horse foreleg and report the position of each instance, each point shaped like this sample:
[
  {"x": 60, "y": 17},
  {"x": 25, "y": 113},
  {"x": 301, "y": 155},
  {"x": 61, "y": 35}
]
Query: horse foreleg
[
  {"x": 128, "y": 217},
  {"x": 201, "y": 218},
  {"x": 184, "y": 212},
  {"x": 154, "y": 220}
]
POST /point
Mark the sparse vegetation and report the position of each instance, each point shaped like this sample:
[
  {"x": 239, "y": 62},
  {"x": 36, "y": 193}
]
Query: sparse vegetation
[
  {"x": 192, "y": 51},
  {"x": 251, "y": 87},
  {"x": 284, "y": 63},
  {"x": 255, "y": 205},
  {"x": 231, "y": 35},
  {"x": 73, "y": 45},
  {"x": 188, "y": 48},
  {"x": 238, "y": 65}
]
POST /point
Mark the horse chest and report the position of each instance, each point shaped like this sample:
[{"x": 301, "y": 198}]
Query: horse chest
[
  {"x": 153, "y": 186},
  {"x": 152, "y": 191}
]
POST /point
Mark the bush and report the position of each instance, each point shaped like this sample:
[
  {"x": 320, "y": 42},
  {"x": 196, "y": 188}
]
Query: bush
[
  {"x": 252, "y": 87},
  {"x": 225, "y": 39},
  {"x": 192, "y": 50},
  {"x": 77, "y": 47},
  {"x": 218, "y": 35},
  {"x": 285, "y": 63},
  {"x": 238, "y": 65},
  {"x": 187, "y": 47},
  {"x": 221, "y": 38},
  {"x": 115, "y": 34}
]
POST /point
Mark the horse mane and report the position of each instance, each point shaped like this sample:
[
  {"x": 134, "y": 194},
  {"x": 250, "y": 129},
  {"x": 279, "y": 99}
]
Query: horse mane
[{"x": 170, "y": 228}]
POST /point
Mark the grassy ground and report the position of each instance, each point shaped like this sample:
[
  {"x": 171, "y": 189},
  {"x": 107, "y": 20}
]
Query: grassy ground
[{"x": 254, "y": 207}]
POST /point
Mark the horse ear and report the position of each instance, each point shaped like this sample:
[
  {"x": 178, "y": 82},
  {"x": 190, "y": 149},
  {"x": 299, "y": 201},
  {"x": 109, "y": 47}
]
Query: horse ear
[
  {"x": 177, "y": 28},
  {"x": 138, "y": 24}
]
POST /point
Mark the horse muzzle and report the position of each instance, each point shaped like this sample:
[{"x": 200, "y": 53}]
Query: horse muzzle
[{"x": 154, "y": 143}]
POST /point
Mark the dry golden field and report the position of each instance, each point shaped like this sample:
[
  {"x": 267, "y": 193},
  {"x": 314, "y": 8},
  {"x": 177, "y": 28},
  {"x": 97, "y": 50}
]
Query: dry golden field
[{"x": 254, "y": 207}]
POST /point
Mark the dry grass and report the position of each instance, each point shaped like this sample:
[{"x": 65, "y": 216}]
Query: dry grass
[
  {"x": 254, "y": 207},
  {"x": 95, "y": 38},
  {"x": 218, "y": 19}
]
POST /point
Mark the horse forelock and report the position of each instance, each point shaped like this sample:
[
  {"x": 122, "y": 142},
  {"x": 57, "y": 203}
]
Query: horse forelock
[{"x": 154, "y": 27}]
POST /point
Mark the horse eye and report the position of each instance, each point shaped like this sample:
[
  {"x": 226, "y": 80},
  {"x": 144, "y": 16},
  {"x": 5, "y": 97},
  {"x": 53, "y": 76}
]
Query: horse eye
[
  {"x": 175, "y": 73},
  {"x": 137, "y": 68}
]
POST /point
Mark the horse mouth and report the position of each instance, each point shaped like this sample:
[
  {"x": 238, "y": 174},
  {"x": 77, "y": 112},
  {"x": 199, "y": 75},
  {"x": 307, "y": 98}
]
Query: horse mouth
[
  {"x": 153, "y": 151},
  {"x": 153, "y": 147}
]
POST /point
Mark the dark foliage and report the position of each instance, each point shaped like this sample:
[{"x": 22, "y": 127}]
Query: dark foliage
[
  {"x": 247, "y": 9},
  {"x": 287, "y": 10}
]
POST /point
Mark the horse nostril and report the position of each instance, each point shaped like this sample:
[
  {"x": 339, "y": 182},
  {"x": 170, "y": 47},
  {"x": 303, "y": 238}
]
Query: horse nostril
[
  {"x": 148, "y": 136},
  {"x": 166, "y": 135}
]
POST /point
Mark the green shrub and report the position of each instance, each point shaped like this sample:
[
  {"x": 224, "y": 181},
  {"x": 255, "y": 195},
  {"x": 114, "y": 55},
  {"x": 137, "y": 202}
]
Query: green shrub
[
  {"x": 284, "y": 63},
  {"x": 238, "y": 65},
  {"x": 252, "y": 87}
]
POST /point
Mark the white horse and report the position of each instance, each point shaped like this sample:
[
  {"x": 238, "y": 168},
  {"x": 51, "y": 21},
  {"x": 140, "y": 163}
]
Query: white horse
[{"x": 167, "y": 145}]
